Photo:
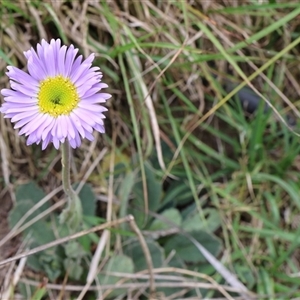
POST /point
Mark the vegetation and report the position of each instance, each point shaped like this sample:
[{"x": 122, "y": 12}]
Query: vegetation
[{"x": 202, "y": 149}]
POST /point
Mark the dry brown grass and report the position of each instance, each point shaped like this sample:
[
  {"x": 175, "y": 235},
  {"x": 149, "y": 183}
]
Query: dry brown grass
[{"x": 162, "y": 49}]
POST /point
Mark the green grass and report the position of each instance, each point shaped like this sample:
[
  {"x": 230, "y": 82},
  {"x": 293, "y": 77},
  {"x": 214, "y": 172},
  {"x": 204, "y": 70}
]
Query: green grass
[{"x": 191, "y": 146}]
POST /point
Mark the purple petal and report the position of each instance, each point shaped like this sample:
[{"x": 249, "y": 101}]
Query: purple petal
[{"x": 21, "y": 77}]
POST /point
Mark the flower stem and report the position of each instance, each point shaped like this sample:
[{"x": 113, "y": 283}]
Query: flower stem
[
  {"x": 72, "y": 215},
  {"x": 66, "y": 166}
]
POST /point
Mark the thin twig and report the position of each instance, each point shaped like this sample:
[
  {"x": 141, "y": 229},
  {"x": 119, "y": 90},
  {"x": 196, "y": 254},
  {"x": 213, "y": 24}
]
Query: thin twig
[
  {"x": 94, "y": 264},
  {"x": 135, "y": 285},
  {"x": 65, "y": 239},
  {"x": 146, "y": 251}
]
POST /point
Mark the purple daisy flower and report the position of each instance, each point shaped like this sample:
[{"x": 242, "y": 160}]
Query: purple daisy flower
[{"x": 59, "y": 99}]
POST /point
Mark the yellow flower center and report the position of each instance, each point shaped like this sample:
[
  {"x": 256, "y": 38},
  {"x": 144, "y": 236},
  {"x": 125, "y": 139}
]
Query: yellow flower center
[{"x": 57, "y": 96}]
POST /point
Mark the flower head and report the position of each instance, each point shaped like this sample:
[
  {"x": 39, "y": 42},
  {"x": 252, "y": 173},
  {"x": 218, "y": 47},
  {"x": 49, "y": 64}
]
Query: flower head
[{"x": 58, "y": 99}]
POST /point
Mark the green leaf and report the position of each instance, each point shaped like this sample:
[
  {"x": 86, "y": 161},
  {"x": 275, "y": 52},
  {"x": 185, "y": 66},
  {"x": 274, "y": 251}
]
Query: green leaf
[
  {"x": 134, "y": 250},
  {"x": 27, "y": 195},
  {"x": 193, "y": 221},
  {"x": 34, "y": 263},
  {"x": 93, "y": 220},
  {"x": 88, "y": 200},
  {"x": 172, "y": 215},
  {"x": 188, "y": 251},
  {"x": 41, "y": 232},
  {"x": 120, "y": 264},
  {"x": 167, "y": 154},
  {"x": 19, "y": 210},
  {"x": 51, "y": 263},
  {"x": 154, "y": 192},
  {"x": 245, "y": 274},
  {"x": 73, "y": 267},
  {"x": 86, "y": 240},
  {"x": 31, "y": 191},
  {"x": 177, "y": 262},
  {"x": 154, "y": 188},
  {"x": 73, "y": 249},
  {"x": 177, "y": 193},
  {"x": 124, "y": 192}
]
